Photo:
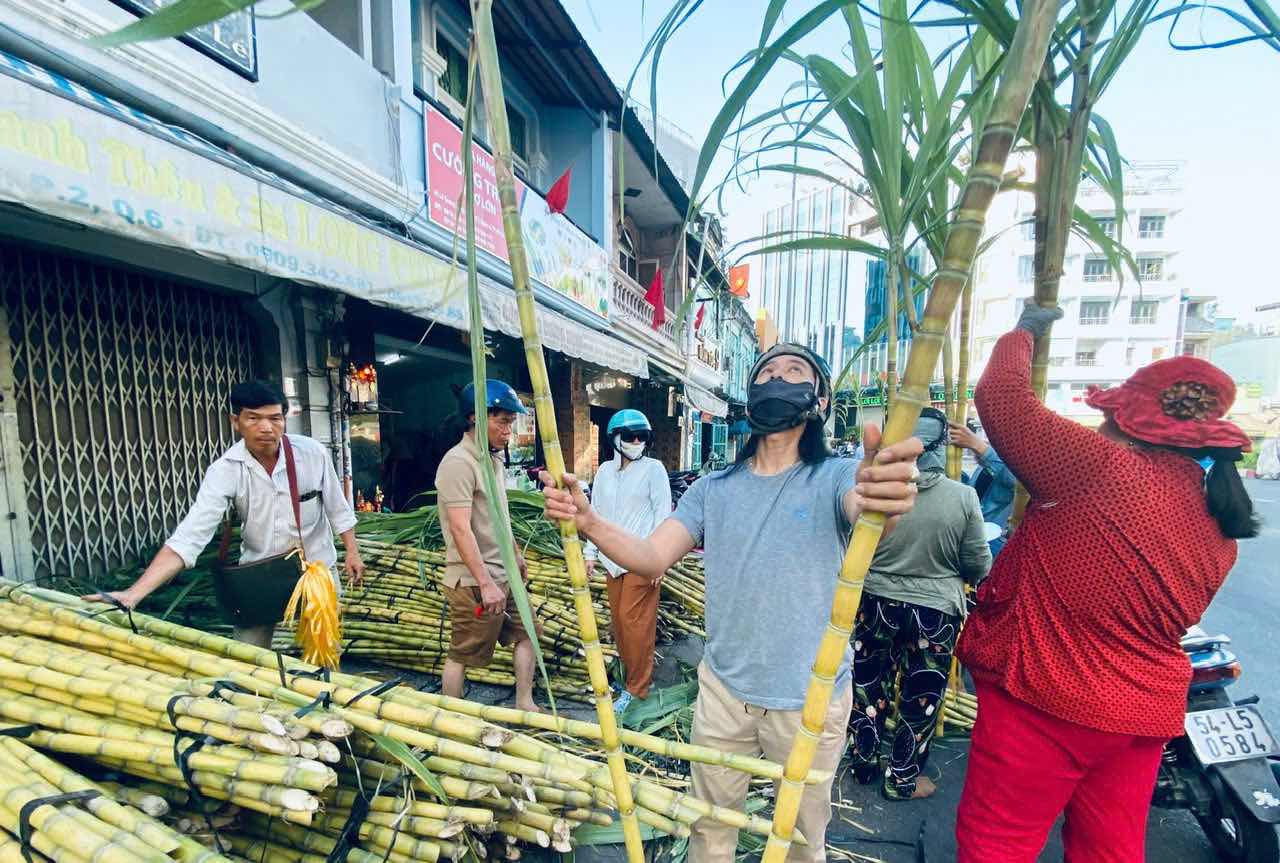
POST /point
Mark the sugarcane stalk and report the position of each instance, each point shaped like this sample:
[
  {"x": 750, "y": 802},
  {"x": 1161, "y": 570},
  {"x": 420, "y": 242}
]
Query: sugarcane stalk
[
  {"x": 891, "y": 330},
  {"x": 948, "y": 398},
  {"x": 500, "y": 138},
  {"x": 1059, "y": 161},
  {"x": 1025, "y": 58}
]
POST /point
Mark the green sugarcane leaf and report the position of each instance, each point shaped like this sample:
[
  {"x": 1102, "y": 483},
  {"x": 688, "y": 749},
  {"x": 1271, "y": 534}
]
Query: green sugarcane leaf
[
  {"x": 415, "y": 765},
  {"x": 497, "y": 514},
  {"x": 172, "y": 20},
  {"x": 587, "y": 835},
  {"x": 182, "y": 594},
  {"x": 822, "y": 242}
]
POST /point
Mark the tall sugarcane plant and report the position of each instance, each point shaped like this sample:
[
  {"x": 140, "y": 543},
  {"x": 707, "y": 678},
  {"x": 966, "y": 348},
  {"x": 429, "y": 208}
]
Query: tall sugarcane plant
[
  {"x": 1025, "y": 58},
  {"x": 500, "y": 139}
]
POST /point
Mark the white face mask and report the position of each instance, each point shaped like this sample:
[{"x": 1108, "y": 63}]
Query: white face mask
[{"x": 630, "y": 451}]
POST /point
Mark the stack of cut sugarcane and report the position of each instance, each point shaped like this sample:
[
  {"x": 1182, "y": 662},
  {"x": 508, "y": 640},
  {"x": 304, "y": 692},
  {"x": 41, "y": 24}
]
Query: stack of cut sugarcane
[
  {"x": 275, "y": 760},
  {"x": 960, "y": 708},
  {"x": 398, "y": 616}
]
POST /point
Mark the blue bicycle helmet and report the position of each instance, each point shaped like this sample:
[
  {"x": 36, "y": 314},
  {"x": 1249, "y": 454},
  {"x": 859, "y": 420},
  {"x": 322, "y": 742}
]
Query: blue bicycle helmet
[
  {"x": 497, "y": 396},
  {"x": 630, "y": 420}
]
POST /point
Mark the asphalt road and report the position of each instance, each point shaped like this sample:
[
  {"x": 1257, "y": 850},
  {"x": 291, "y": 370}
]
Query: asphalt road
[{"x": 1247, "y": 608}]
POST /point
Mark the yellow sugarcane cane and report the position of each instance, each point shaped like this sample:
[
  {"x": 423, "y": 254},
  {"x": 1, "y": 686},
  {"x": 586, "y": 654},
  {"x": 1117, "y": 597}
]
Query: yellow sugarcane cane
[
  {"x": 1023, "y": 62},
  {"x": 500, "y": 138}
]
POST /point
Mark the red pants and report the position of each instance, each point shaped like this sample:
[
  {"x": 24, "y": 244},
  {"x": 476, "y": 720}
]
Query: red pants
[
  {"x": 633, "y": 610},
  {"x": 1026, "y": 767}
]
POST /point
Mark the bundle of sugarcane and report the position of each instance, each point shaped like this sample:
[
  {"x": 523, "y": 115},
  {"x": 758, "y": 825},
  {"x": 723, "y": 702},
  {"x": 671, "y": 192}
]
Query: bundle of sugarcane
[
  {"x": 960, "y": 709},
  {"x": 283, "y": 761},
  {"x": 398, "y": 616},
  {"x": 54, "y": 813}
]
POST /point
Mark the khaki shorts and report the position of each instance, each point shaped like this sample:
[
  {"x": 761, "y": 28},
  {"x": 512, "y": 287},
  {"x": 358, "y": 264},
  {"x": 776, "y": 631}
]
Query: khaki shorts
[{"x": 472, "y": 637}]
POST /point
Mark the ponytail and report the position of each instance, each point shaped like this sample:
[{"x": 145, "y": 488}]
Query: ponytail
[{"x": 1227, "y": 498}]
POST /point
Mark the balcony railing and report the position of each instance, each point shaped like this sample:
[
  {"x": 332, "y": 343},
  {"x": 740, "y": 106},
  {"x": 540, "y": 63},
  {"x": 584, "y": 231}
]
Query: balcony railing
[
  {"x": 1094, "y": 321},
  {"x": 629, "y": 304},
  {"x": 1142, "y": 320}
]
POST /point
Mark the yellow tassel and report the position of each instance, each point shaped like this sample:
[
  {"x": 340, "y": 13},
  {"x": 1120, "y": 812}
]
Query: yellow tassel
[{"x": 315, "y": 606}]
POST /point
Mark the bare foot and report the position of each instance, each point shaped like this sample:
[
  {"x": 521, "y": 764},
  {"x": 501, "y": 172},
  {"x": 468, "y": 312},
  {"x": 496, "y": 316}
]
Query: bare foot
[
  {"x": 924, "y": 788},
  {"x": 529, "y": 707}
]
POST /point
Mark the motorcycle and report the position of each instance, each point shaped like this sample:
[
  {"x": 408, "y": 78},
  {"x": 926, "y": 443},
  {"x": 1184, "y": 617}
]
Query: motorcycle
[{"x": 1224, "y": 767}]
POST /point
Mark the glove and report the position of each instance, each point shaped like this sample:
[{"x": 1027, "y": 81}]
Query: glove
[{"x": 1037, "y": 320}]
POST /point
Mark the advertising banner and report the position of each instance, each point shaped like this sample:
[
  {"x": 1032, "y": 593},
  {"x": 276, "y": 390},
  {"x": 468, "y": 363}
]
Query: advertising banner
[{"x": 561, "y": 257}]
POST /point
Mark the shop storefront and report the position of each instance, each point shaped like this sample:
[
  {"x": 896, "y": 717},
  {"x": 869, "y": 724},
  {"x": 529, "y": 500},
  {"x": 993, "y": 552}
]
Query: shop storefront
[{"x": 115, "y": 377}]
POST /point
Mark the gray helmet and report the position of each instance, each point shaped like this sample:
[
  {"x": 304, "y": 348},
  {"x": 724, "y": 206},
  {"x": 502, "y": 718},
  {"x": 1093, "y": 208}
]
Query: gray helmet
[{"x": 820, "y": 368}]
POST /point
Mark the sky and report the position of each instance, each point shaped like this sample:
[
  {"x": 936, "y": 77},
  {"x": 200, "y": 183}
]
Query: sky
[{"x": 1214, "y": 110}]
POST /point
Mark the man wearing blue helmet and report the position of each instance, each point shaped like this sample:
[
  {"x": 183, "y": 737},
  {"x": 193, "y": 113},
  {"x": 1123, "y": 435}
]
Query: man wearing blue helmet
[
  {"x": 482, "y": 613},
  {"x": 632, "y": 490}
]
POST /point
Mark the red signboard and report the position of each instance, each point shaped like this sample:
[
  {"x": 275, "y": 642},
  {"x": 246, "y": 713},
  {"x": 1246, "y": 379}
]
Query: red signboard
[{"x": 560, "y": 255}]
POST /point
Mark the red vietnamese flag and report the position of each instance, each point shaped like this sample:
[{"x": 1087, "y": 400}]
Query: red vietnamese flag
[
  {"x": 558, "y": 194},
  {"x": 657, "y": 298},
  {"x": 739, "y": 278},
  {"x": 697, "y": 321}
]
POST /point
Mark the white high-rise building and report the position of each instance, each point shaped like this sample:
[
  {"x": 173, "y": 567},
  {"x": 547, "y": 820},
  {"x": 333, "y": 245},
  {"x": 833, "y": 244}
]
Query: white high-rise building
[
  {"x": 806, "y": 293},
  {"x": 1109, "y": 328}
]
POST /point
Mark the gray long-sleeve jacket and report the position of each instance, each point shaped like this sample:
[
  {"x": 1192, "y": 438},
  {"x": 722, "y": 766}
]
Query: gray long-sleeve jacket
[{"x": 935, "y": 548}]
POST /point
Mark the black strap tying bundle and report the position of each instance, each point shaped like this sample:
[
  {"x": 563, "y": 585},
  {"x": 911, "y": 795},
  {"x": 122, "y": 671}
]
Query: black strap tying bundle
[
  {"x": 18, "y": 731},
  {"x": 322, "y": 701},
  {"x": 375, "y": 690},
  {"x": 182, "y": 758},
  {"x": 321, "y": 673},
  {"x": 24, "y": 814},
  {"x": 350, "y": 832},
  {"x": 118, "y": 605}
]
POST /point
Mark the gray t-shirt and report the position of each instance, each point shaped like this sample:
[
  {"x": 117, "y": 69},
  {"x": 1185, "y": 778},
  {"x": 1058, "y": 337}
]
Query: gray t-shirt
[{"x": 773, "y": 548}]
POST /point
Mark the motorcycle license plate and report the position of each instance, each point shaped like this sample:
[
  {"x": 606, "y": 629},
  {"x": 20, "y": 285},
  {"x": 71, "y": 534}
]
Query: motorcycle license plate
[{"x": 1229, "y": 734}]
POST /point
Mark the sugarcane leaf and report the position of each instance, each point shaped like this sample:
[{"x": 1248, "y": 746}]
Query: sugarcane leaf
[
  {"x": 182, "y": 594},
  {"x": 169, "y": 21},
  {"x": 588, "y": 835},
  {"x": 415, "y": 765},
  {"x": 822, "y": 242},
  {"x": 498, "y": 514}
]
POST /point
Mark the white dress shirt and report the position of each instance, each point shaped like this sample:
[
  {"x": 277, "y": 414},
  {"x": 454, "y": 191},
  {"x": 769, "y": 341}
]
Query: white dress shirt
[
  {"x": 262, "y": 502},
  {"x": 637, "y": 499}
]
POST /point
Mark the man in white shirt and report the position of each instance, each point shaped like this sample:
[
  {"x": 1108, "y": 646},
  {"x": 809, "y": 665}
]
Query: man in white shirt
[
  {"x": 632, "y": 491},
  {"x": 252, "y": 476}
]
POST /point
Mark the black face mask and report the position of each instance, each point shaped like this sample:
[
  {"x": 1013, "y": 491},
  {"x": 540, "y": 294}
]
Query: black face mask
[{"x": 777, "y": 405}]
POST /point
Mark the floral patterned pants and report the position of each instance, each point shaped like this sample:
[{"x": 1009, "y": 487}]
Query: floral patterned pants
[{"x": 891, "y": 637}]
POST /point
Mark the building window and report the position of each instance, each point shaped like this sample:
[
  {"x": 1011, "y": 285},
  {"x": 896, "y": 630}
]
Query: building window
[
  {"x": 1143, "y": 311},
  {"x": 1151, "y": 227},
  {"x": 1026, "y": 268},
  {"x": 1094, "y": 312},
  {"x": 1128, "y": 355},
  {"x": 1029, "y": 229},
  {"x": 1151, "y": 269},
  {"x": 1086, "y": 358},
  {"x": 1108, "y": 225},
  {"x": 519, "y": 127},
  {"x": 627, "y": 254},
  {"x": 454, "y": 80},
  {"x": 1096, "y": 269},
  {"x": 1157, "y": 354}
]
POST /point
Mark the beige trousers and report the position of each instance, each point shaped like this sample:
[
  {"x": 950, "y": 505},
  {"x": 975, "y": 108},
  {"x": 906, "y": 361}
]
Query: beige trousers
[{"x": 723, "y": 722}]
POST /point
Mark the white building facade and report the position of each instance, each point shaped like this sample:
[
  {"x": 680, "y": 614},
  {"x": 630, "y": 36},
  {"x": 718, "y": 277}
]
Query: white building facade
[{"x": 1111, "y": 326}]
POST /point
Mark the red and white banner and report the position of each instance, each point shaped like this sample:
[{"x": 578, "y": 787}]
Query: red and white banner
[{"x": 561, "y": 257}]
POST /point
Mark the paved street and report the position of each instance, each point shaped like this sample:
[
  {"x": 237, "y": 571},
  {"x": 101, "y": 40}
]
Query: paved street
[{"x": 1247, "y": 608}]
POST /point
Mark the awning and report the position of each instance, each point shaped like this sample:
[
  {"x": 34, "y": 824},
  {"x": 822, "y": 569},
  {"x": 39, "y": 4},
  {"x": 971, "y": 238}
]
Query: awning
[
  {"x": 705, "y": 401},
  {"x": 561, "y": 334},
  {"x": 77, "y": 155}
]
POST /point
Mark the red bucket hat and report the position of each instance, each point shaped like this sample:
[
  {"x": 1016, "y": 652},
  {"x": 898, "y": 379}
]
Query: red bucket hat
[{"x": 1177, "y": 402}]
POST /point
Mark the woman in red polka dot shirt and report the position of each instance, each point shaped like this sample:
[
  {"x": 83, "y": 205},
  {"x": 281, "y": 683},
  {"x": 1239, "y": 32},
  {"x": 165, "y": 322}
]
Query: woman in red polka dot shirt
[{"x": 1074, "y": 645}]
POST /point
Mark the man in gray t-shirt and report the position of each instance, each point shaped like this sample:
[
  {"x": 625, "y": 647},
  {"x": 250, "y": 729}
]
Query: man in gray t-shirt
[
  {"x": 774, "y": 544},
  {"x": 773, "y": 529}
]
